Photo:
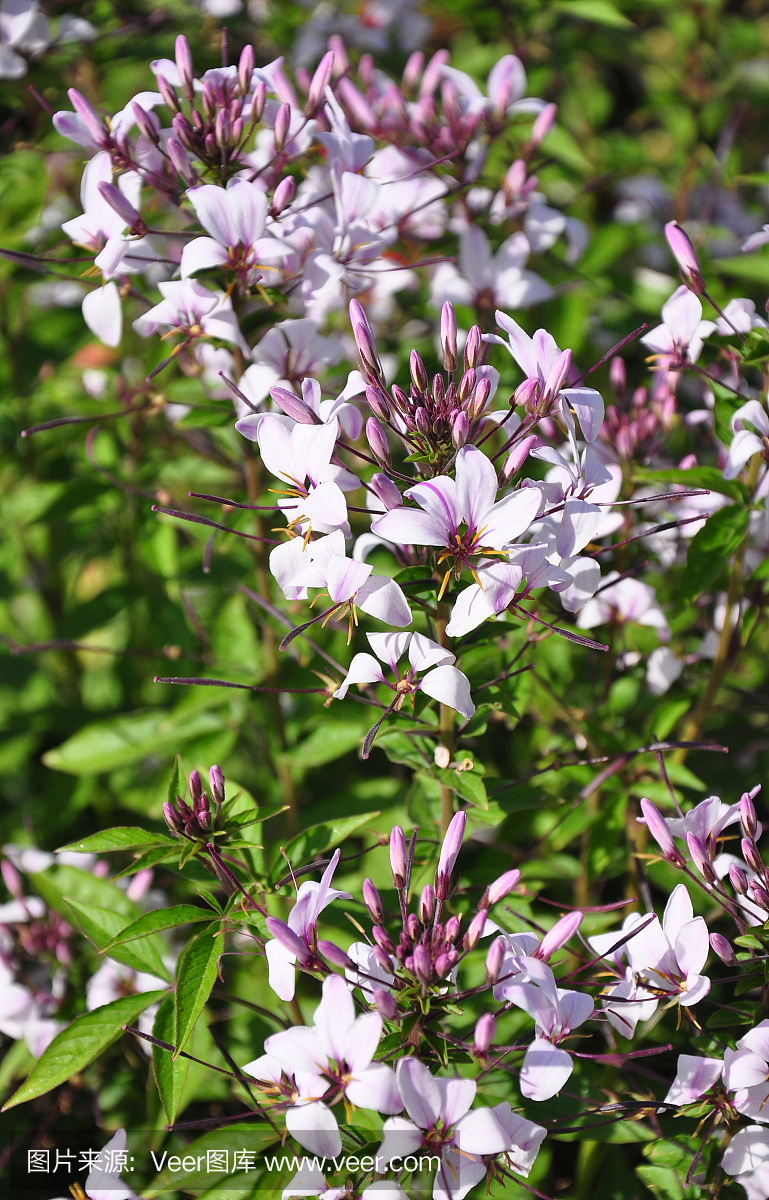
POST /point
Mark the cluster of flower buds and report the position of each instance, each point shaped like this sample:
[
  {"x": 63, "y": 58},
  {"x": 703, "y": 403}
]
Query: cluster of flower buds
[
  {"x": 439, "y": 416},
  {"x": 196, "y": 823},
  {"x": 632, "y": 427},
  {"x": 216, "y": 131}
]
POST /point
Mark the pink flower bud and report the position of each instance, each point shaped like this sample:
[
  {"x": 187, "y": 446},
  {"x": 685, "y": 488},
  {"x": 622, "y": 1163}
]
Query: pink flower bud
[
  {"x": 123, "y": 207},
  {"x": 92, "y": 120},
  {"x": 320, "y": 81},
  {"x": 383, "y": 958},
  {"x": 700, "y": 858},
  {"x": 257, "y": 104},
  {"x": 451, "y": 929},
  {"x": 294, "y": 407},
  {"x": 412, "y": 926},
  {"x": 281, "y": 932},
  {"x": 282, "y": 126},
  {"x": 283, "y": 195},
  {"x": 146, "y": 123},
  {"x": 503, "y": 886},
  {"x": 412, "y": 70},
  {"x": 377, "y": 440},
  {"x": 386, "y": 490},
  {"x": 181, "y": 162},
  {"x": 661, "y": 834},
  {"x": 480, "y": 398},
  {"x": 515, "y": 177},
  {"x": 485, "y": 1029},
  {"x": 378, "y": 402},
  {"x": 494, "y": 959},
  {"x": 169, "y": 94},
  {"x": 184, "y": 66},
  {"x": 517, "y": 457},
  {"x": 383, "y": 939},
  {"x": 449, "y": 336},
  {"x": 543, "y": 123},
  {"x": 723, "y": 949},
  {"x": 196, "y": 786},
  {"x": 246, "y": 64},
  {"x": 216, "y": 780},
  {"x": 617, "y": 375},
  {"x": 433, "y": 70},
  {"x": 452, "y": 843},
  {"x": 364, "y": 340},
  {"x": 752, "y": 857},
  {"x": 341, "y": 61},
  {"x": 561, "y": 933},
  {"x": 12, "y": 879},
  {"x": 418, "y": 372},
  {"x": 443, "y": 965},
  {"x": 738, "y": 880},
  {"x": 335, "y": 955},
  {"x": 422, "y": 965},
  {"x": 426, "y": 904},
  {"x": 474, "y": 931},
  {"x": 222, "y": 129},
  {"x": 373, "y": 902},
  {"x": 748, "y": 816},
  {"x": 357, "y": 105},
  {"x": 466, "y": 385},
  {"x": 398, "y": 856},
  {"x": 683, "y": 253},
  {"x": 460, "y": 430},
  {"x": 385, "y": 1003},
  {"x": 760, "y": 895},
  {"x": 557, "y": 376}
]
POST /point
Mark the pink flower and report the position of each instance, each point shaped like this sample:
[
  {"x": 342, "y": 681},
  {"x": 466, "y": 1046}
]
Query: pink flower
[
  {"x": 556, "y": 1012},
  {"x": 235, "y": 218},
  {"x": 482, "y": 276},
  {"x": 681, "y": 335},
  {"x": 667, "y": 958},
  {"x": 694, "y": 1077},
  {"x": 348, "y": 583},
  {"x": 442, "y": 681}
]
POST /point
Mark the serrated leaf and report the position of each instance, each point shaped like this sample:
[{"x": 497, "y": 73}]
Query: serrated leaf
[
  {"x": 79, "y": 1044},
  {"x": 195, "y": 977},
  {"x": 100, "y": 925},
  {"x": 123, "y": 837},
  {"x": 170, "y": 1073},
  {"x": 157, "y": 920},
  {"x": 710, "y": 551}
]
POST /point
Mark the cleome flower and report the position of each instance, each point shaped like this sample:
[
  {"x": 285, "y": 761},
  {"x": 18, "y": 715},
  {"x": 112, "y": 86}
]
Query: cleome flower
[{"x": 442, "y": 681}]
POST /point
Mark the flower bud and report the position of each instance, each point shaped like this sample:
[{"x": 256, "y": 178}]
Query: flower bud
[
  {"x": 294, "y": 407},
  {"x": 683, "y": 253},
  {"x": 320, "y": 81},
  {"x": 398, "y": 857},
  {"x": 527, "y": 394},
  {"x": 617, "y": 374},
  {"x": 494, "y": 959},
  {"x": 386, "y": 490},
  {"x": 700, "y": 858},
  {"x": 383, "y": 939},
  {"x": 222, "y": 129},
  {"x": 12, "y": 878},
  {"x": 196, "y": 786},
  {"x": 752, "y": 857},
  {"x": 286, "y": 936},
  {"x": 257, "y": 104},
  {"x": 480, "y": 397},
  {"x": 760, "y": 895},
  {"x": 169, "y": 94},
  {"x": 748, "y": 816},
  {"x": 516, "y": 458},
  {"x": 383, "y": 959},
  {"x": 466, "y": 385},
  {"x": 426, "y": 904},
  {"x": 502, "y": 887},
  {"x": 723, "y": 949},
  {"x": 485, "y": 1029},
  {"x": 474, "y": 931},
  {"x": 418, "y": 372},
  {"x": 282, "y": 126},
  {"x": 377, "y": 401},
  {"x": 449, "y": 336},
  {"x": 92, "y": 120},
  {"x": 341, "y": 61},
  {"x": 246, "y": 64},
  {"x": 452, "y": 843},
  {"x": 561, "y": 933},
  {"x": 460, "y": 430},
  {"x": 422, "y": 421},
  {"x": 181, "y": 162},
  {"x": 184, "y": 67},
  {"x": 412, "y": 70},
  {"x": 145, "y": 123},
  {"x": 211, "y": 145},
  {"x": 738, "y": 880},
  {"x": 443, "y": 965},
  {"x": 543, "y": 124},
  {"x": 412, "y": 927},
  {"x": 451, "y": 930},
  {"x": 335, "y": 955},
  {"x": 515, "y": 178},
  {"x": 557, "y": 375},
  {"x": 422, "y": 965},
  {"x": 659, "y": 830},
  {"x": 377, "y": 440},
  {"x": 123, "y": 207},
  {"x": 283, "y": 195},
  {"x": 373, "y": 902},
  {"x": 385, "y": 1003},
  {"x": 216, "y": 780},
  {"x": 473, "y": 347}
]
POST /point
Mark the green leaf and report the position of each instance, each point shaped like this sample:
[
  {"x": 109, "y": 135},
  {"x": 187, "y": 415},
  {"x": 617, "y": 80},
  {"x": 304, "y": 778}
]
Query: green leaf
[
  {"x": 129, "y": 738},
  {"x": 150, "y": 858},
  {"x": 195, "y": 978},
  {"x": 102, "y": 924},
  {"x": 157, "y": 920},
  {"x": 170, "y": 1073},
  {"x": 726, "y": 1017},
  {"x": 329, "y": 741},
  {"x": 601, "y": 12},
  {"x": 710, "y": 551},
  {"x": 176, "y": 784},
  {"x": 313, "y": 841},
  {"x": 59, "y": 885},
  {"x": 249, "y": 1135},
  {"x": 698, "y": 477},
  {"x": 121, "y": 838},
  {"x": 412, "y": 575},
  {"x": 79, "y": 1044},
  {"x": 467, "y": 784},
  {"x": 753, "y": 267},
  {"x": 749, "y": 942}
]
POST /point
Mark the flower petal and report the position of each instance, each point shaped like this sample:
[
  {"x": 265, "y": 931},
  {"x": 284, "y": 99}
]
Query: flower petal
[{"x": 545, "y": 1070}]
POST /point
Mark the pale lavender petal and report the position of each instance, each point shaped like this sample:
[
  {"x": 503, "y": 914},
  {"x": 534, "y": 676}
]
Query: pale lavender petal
[
  {"x": 103, "y": 314},
  {"x": 480, "y": 1132},
  {"x": 694, "y": 1077},
  {"x": 449, "y": 686},
  {"x": 546, "y": 1068},
  {"x": 314, "y": 1127},
  {"x": 476, "y": 486},
  {"x": 280, "y": 964},
  {"x": 420, "y": 1092},
  {"x": 401, "y": 1137},
  {"x": 375, "y": 1087},
  {"x": 588, "y": 405},
  {"x": 335, "y": 1019},
  {"x": 425, "y": 653},
  {"x": 509, "y": 517},
  {"x": 344, "y": 576},
  {"x": 457, "y": 1096},
  {"x": 410, "y": 526},
  {"x": 381, "y": 597},
  {"x": 692, "y": 946},
  {"x": 577, "y": 527},
  {"x": 212, "y": 210},
  {"x": 743, "y": 1069},
  {"x": 678, "y": 911},
  {"x": 697, "y": 988},
  {"x": 364, "y": 668},
  {"x": 201, "y": 253},
  {"x": 389, "y": 647}
]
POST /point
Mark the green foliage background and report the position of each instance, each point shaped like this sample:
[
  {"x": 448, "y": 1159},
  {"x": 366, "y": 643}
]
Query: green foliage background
[{"x": 87, "y": 738}]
